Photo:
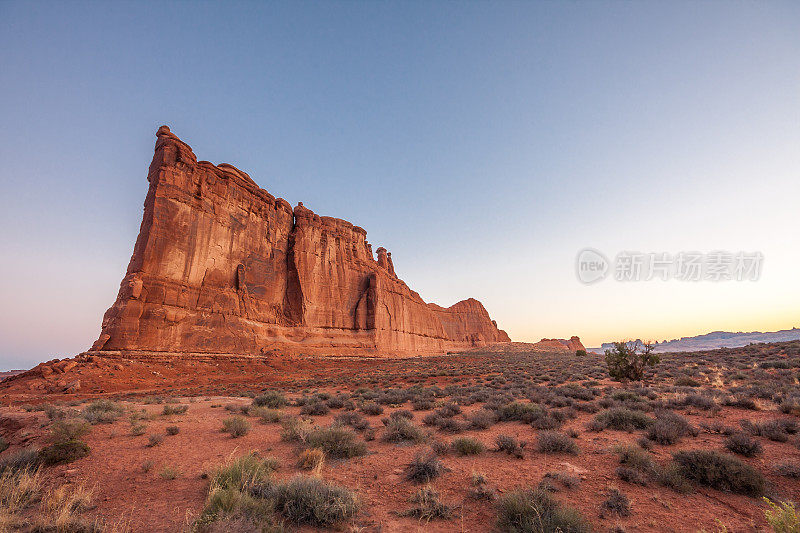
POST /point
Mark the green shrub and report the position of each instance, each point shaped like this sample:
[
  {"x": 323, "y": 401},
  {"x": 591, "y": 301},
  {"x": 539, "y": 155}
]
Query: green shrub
[
  {"x": 170, "y": 409},
  {"x": 102, "y": 412},
  {"x": 635, "y": 457},
  {"x": 295, "y": 429},
  {"x": 64, "y": 452},
  {"x": 623, "y": 419},
  {"x": 628, "y": 360},
  {"x": 315, "y": 409},
  {"x": 68, "y": 429},
  {"x": 266, "y": 415},
  {"x": 782, "y": 517},
  {"x": 522, "y": 412},
  {"x": 172, "y": 430},
  {"x": 468, "y": 446},
  {"x": 720, "y": 471},
  {"x": 154, "y": 440},
  {"x": 272, "y": 399},
  {"x": 400, "y": 429},
  {"x": 537, "y": 512},
  {"x": 309, "y": 500},
  {"x": 336, "y": 441},
  {"x": 237, "y": 426},
  {"x": 555, "y": 442},
  {"x": 244, "y": 473}
]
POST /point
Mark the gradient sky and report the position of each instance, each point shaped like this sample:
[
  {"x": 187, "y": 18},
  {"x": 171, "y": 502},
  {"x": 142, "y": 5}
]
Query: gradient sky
[{"x": 484, "y": 144}]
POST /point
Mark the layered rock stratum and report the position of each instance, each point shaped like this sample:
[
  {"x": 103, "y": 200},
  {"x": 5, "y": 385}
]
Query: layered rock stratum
[{"x": 222, "y": 266}]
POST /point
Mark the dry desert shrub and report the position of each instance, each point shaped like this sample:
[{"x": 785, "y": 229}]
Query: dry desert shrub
[
  {"x": 555, "y": 442},
  {"x": 467, "y": 446},
  {"x": 271, "y": 399},
  {"x": 719, "y": 471},
  {"x": 236, "y": 426},
  {"x": 336, "y": 441},
  {"x": 528, "y": 511},
  {"x": 428, "y": 506},
  {"x": 424, "y": 469},
  {"x": 102, "y": 412},
  {"x": 311, "y": 459},
  {"x": 399, "y": 429}
]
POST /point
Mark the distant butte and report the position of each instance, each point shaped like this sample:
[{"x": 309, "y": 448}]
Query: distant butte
[{"x": 222, "y": 266}]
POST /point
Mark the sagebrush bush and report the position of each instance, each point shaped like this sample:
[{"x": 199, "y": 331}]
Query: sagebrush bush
[
  {"x": 669, "y": 427},
  {"x": 310, "y": 500},
  {"x": 423, "y": 469},
  {"x": 271, "y": 399},
  {"x": 24, "y": 459},
  {"x": 720, "y": 471},
  {"x": 468, "y": 446},
  {"x": 743, "y": 444},
  {"x": 315, "y": 409},
  {"x": 64, "y": 452},
  {"x": 483, "y": 419},
  {"x": 522, "y": 412},
  {"x": 508, "y": 444},
  {"x": 295, "y": 429},
  {"x": 635, "y": 458},
  {"x": 352, "y": 419},
  {"x": 400, "y": 429},
  {"x": 622, "y": 419},
  {"x": 336, "y": 441},
  {"x": 790, "y": 469},
  {"x": 537, "y": 512},
  {"x": 428, "y": 506},
  {"x": 371, "y": 409},
  {"x": 174, "y": 409},
  {"x": 172, "y": 430},
  {"x": 68, "y": 429},
  {"x": 102, "y": 412},
  {"x": 555, "y": 442},
  {"x": 236, "y": 426}
]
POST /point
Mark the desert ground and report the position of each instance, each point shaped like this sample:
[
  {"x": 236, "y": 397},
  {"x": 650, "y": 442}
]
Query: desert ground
[{"x": 464, "y": 442}]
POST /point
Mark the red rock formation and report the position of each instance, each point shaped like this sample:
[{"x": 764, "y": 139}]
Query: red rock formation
[
  {"x": 222, "y": 266},
  {"x": 572, "y": 344}
]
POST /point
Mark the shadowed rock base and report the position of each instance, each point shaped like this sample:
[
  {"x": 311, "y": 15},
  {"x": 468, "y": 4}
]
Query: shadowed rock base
[{"x": 221, "y": 266}]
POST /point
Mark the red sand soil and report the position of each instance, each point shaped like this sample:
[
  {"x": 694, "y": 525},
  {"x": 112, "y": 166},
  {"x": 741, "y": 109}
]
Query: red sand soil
[{"x": 125, "y": 493}]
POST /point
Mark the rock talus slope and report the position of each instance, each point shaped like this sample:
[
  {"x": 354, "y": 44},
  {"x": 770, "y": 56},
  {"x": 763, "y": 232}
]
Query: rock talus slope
[{"x": 222, "y": 266}]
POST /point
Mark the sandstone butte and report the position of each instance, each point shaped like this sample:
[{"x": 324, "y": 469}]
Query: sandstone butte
[{"x": 221, "y": 266}]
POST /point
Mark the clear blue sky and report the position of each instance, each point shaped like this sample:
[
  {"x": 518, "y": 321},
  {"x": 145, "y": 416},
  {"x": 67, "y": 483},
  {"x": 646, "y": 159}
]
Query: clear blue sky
[{"x": 484, "y": 144}]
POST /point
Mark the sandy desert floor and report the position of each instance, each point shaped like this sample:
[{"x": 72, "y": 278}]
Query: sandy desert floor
[{"x": 569, "y": 417}]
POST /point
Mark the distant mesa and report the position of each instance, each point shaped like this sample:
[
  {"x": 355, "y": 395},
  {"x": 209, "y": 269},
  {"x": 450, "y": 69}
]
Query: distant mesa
[
  {"x": 717, "y": 339},
  {"x": 222, "y": 266},
  {"x": 573, "y": 344}
]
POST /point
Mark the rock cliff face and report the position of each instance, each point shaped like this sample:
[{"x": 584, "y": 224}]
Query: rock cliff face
[{"x": 222, "y": 266}]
